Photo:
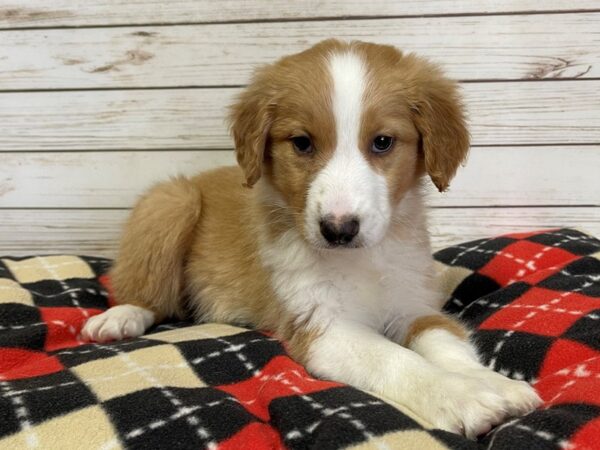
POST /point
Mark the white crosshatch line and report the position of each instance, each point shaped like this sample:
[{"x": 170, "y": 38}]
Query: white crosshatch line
[
  {"x": 91, "y": 291},
  {"x": 544, "y": 307},
  {"x": 187, "y": 412},
  {"x": 45, "y": 263},
  {"x": 556, "y": 244},
  {"x": 210, "y": 404},
  {"x": 581, "y": 370},
  {"x": 547, "y": 436},
  {"x": 70, "y": 328},
  {"x": 89, "y": 382},
  {"x": 465, "y": 250},
  {"x": 528, "y": 266},
  {"x": 477, "y": 249},
  {"x": 548, "y": 306},
  {"x": 21, "y": 414},
  {"x": 593, "y": 278},
  {"x": 343, "y": 412},
  {"x": 325, "y": 412},
  {"x": 193, "y": 420},
  {"x": 51, "y": 269},
  {"x": 232, "y": 348}
]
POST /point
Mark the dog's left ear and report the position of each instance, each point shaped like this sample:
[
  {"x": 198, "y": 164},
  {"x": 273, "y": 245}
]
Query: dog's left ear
[
  {"x": 250, "y": 119},
  {"x": 440, "y": 119}
]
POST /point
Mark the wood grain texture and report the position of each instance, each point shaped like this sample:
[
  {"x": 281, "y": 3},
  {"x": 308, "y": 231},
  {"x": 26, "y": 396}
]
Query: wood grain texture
[
  {"x": 485, "y": 47},
  {"x": 509, "y": 113},
  {"x": 104, "y": 179},
  {"x": 452, "y": 226},
  {"x": 96, "y": 232},
  {"x": 42, "y": 13},
  {"x": 61, "y": 147},
  {"x": 80, "y": 232},
  {"x": 565, "y": 175}
]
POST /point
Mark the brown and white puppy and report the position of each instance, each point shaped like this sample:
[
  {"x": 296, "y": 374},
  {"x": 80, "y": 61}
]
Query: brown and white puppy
[{"x": 321, "y": 235}]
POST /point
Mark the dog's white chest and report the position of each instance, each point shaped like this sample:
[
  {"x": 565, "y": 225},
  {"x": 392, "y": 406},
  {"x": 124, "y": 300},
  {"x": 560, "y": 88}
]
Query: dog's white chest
[{"x": 366, "y": 285}]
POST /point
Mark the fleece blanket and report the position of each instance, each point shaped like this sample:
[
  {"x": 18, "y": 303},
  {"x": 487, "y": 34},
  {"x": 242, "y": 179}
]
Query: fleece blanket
[{"x": 533, "y": 299}]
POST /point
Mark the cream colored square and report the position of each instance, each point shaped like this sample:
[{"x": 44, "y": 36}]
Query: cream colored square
[
  {"x": 410, "y": 439},
  {"x": 12, "y": 292},
  {"x": 60, "y": 267},
  {"x": 204, "y": 331},
  {"x": 125, "y": 373},
  {"x": 449, "y": 277},
  {"x": 86, "y": 428}
]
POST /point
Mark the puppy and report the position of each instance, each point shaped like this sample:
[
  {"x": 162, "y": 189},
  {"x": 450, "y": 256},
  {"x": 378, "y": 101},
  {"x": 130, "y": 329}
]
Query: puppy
[{"x": 320, "y": 235}]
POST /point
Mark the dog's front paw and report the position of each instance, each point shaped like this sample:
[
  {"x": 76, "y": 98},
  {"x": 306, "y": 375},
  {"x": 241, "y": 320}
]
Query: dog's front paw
[
  {"x": 463, "y": 404},
  {"x": 519, "y": 396},
  {"x": 116, "y": 323}
]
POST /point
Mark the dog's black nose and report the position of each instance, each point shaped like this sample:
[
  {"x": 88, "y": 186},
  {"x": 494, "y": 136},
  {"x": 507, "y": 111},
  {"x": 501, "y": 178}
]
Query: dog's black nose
[{"x": 339, "y": 232}]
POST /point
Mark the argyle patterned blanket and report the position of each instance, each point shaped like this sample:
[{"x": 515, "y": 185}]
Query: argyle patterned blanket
[{"x": 533, "y": 298}]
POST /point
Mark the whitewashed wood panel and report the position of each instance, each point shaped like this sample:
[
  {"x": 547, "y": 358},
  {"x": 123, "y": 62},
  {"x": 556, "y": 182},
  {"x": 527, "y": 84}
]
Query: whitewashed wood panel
[
  {"x": 566, "y": 175},
  {"x": 105, "y": 179},
  {"x": 80, "y": 232},
  {"x": 44, "y": 13},
  {"x": 485, "y": 47},
  {"x": 508, "y": 113},
  {"x": 561, "y": 175},
  {"x": 96, "y": 232},
  {"x": 452, "y": 226}
]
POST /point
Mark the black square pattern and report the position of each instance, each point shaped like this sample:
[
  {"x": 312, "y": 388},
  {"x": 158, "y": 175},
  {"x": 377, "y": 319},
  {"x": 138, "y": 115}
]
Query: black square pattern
[
  {"x": 309, "y": 421},
  {"x": 473, "y": 255},
  {"x": 230, "y": 359},
  {"x": 517, "y": 354}
]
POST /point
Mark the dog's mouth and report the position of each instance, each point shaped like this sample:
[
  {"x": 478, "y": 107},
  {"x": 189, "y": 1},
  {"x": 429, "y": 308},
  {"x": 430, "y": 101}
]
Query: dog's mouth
[
  {"x": 321, "y": 244},
  {"x": 343, "y": 246}
]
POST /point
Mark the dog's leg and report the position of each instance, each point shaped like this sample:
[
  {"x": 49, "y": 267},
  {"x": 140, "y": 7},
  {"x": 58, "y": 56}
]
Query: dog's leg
[
  {"x": 445, "y": 342},
  {"x": 361, "y": 357},
  {"x": 147, "y": 277}
]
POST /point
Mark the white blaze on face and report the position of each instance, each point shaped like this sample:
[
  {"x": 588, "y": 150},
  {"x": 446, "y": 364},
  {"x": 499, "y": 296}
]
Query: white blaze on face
[{"x": 348, "y": 185}]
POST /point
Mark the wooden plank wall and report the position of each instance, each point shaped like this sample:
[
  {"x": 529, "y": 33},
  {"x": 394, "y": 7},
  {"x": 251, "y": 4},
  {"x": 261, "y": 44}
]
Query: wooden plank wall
[{"x": 99, "y": 99}]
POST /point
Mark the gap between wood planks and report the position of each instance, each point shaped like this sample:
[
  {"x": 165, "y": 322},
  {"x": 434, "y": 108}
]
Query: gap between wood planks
[
  {"x": 110, "y": 208},
  {"x": 215, "y": 149},
  {"x": 303, "y": 19},
  {"x": 240, "y": 86}
]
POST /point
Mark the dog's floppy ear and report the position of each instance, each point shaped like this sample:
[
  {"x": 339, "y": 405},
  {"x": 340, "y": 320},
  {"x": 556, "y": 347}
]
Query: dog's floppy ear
[
  {"x": 250, "y": 119},
  {"x": 440, "y": 119}
]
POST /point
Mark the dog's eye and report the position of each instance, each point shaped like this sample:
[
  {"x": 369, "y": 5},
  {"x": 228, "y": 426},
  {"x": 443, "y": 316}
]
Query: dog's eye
[
  {"x": 382, "y": 144},
  {"x": 302, "y": 144}
]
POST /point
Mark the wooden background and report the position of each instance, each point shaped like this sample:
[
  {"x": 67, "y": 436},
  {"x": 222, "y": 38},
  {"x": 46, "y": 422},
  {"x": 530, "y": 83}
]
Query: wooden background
[{"x": 101, "y": 98}]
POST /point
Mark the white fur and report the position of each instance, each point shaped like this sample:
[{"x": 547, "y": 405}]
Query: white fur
[
  {"x": 352, "y": 296},
  {"x": 118, "y": 322},
  {"x": 455, "y": 355},
  {"x": 363, "y": 300},
  {"x": 356, "y": 298},
  {"x": 374, "y": 285},
  {"x": 361, "y": 357},
  {"x": 348, "y": 185}
]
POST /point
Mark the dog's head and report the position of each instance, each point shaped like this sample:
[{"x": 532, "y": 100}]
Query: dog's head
[{"x": 342, "y": 131}]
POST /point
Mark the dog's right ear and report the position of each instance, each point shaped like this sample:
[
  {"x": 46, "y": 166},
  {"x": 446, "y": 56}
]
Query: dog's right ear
[{"x": 250, "y": 119}]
